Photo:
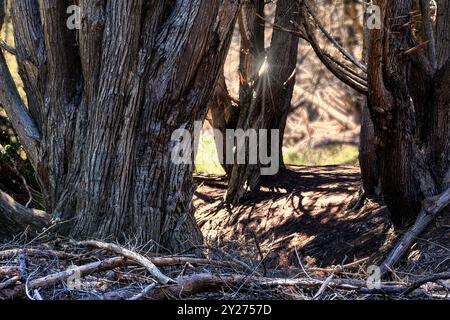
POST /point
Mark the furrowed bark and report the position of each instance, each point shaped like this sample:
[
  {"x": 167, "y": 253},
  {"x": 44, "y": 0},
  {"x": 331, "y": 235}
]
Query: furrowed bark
[
  {"x": 410, "y": 165},
  {"x": 107, "y": 99},
  {"x": 443, "y": 33}
]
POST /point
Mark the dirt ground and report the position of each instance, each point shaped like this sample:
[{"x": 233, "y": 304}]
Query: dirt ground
[{"x": 302, "y": 222}]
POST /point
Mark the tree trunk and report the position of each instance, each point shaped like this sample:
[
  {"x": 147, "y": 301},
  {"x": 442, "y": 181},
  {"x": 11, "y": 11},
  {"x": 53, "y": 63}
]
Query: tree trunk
[
  {"x": 106, "y": 99},
  {"x": 410, "y": 106},
  {"x": 367, "y": 149},
  {"x": 265, "y": 95},
  {"x": 222, "y": 115}
]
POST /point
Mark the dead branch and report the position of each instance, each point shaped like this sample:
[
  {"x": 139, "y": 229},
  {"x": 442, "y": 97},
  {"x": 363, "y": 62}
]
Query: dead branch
[
  {"x": 432, "y": 278},
  {"x": 9, "y": 283},
  {"x": 149, "y": 265},
  {"x": 12, "y": 253},
  {"x": 87, "y": 269},
  {"x": 341, "y": 49},
  {"x": 431, "y": 209},
  {"x": 334, "y": 68},
  {"x": 200, "y": 283},
  {"x": 9, "y": 271}
]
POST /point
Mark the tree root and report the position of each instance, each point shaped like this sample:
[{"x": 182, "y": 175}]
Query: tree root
[
  {"x": 357, "y": 202},
  {"x": 15, "y": 218}
]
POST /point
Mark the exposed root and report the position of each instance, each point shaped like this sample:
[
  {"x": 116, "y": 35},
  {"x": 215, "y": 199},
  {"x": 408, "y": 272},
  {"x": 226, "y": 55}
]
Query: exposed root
[{"x": 15, "y": 218}]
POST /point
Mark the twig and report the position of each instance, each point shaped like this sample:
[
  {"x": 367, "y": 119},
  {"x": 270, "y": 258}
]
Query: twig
[
  {"x": 261, "y": 255},
  {"x": 432, "y": 278},
  {"x": 149, "y": 265},
  {"x": 7, "y": 47},
  {"x": 340, "y": 268},
  {"x": 9, "y": 254},
  {"x": 144, "y": 292},
  {"x": 324, "y": 287},
  {"x": 87, "y": 269}
]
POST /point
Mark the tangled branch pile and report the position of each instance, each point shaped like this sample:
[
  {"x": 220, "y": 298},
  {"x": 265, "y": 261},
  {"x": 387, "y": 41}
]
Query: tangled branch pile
[{"x": 102, "y": 271}]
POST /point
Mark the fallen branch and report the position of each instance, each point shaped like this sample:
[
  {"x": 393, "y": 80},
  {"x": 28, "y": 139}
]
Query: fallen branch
[
  {"x": 81, "y": 271},
  {"x": 143, "y": 261},
  {"x": 432, "y": 278},
  {"x": 200, "y": 283},
  {"x": 12, "y": 253},
  {"x": 9, "y": 271},
  {"x": 9, "y": 283},
  {"x": 431, "y": 209}
]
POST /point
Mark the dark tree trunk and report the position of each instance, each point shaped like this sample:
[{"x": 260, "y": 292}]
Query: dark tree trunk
[
  {"x": 410, "y": 107},
  {"x": 367, "y": 154},
  {"x": 103, "y": 103},
  {"x": 265, "y": 98}
]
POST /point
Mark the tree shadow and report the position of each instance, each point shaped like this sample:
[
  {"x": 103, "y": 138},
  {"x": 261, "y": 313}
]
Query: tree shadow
[{"x": 302, "y": 213}]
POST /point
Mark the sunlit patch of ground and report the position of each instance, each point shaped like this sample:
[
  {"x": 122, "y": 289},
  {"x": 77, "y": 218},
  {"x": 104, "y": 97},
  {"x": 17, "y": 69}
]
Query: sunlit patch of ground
[
  {"x": 302, "y": 215},
  {"x": 207, "y": 161}
]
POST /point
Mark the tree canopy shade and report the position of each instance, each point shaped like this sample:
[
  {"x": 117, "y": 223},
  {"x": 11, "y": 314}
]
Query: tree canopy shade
[{"x": 103, "y": 102}]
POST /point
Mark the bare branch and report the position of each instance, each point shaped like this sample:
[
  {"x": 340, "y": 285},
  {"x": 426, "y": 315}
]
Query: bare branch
[
  {"x": 159, "y": 276},
  {"x": 330, "y": 64},
  {"x": 341, "y": 49},
  {"x": 428, "y": 31}
]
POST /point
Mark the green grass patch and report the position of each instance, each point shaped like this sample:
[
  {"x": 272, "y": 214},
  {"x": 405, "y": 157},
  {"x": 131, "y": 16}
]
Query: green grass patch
[
  {"x": 333, "y": 154},
  {"x": 207, "y": 161}
]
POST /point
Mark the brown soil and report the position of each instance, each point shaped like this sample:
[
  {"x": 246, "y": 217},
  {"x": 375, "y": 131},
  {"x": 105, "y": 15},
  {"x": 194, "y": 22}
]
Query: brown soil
[{"x": 303, "y": 216}]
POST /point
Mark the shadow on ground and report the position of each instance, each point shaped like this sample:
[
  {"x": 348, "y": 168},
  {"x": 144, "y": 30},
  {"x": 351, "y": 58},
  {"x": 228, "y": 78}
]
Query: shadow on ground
[{"x": 297, "y": 217}]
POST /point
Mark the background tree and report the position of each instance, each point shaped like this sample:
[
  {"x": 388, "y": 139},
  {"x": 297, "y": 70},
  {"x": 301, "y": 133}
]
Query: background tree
[
  {"x": 264, "y": 95},
  {"x": 102, "y": 103}
]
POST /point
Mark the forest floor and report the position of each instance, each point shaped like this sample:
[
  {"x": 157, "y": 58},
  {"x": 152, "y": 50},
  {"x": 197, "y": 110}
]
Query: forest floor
[
  {"x": 292, "y": 240},
  {"x": 302, "y": 222}
]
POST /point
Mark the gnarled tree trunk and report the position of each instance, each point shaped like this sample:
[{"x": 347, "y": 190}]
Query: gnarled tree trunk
[
  {"x": 103, "y": 102},
  {"x": 410, "y": 106}
]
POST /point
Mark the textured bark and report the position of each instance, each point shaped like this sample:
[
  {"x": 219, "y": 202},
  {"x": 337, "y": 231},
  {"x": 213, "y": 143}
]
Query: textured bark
[
  {"x": 410, "y": 108},
  {"x": 265, "y": 99},
  {"x": 106, "y": 100}
]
